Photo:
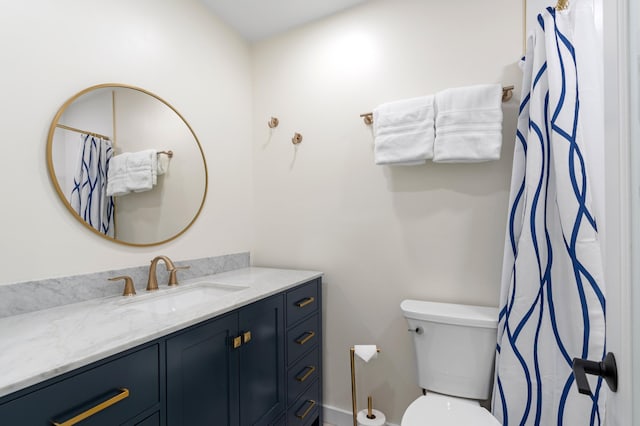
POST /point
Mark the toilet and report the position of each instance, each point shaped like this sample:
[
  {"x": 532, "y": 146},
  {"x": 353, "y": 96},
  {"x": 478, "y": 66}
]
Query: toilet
[{"x": 455, "y": 350}]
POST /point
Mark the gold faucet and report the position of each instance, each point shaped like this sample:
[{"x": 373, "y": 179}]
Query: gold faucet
[{"x": 152, "y": 283}]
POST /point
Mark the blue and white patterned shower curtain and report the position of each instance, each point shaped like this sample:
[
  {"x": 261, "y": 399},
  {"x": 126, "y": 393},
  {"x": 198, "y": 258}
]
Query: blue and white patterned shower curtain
[
  {"x": 552, "y": 305},
  {"x": 89, "y": 195}
]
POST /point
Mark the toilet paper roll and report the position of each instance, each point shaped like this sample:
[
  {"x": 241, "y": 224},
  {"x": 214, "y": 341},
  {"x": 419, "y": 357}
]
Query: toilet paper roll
[
  {"x": 379, "y": 420},
  {"x": 366, "y": 352}
]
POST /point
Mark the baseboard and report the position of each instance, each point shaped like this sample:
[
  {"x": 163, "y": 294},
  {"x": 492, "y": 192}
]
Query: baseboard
[{"x": 339, "y": 417}]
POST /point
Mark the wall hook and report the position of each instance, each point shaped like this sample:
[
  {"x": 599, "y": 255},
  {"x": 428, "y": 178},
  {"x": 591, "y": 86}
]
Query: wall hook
[
  {"x": 273, "y": 122},
  {"x": 296, "y": 139}
]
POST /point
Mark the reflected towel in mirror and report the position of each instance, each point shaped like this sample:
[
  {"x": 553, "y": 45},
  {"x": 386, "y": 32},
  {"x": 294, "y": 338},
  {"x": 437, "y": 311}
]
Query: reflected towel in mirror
[{"x": 132, "y": 172}]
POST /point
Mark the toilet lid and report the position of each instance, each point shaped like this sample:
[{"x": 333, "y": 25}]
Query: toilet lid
[{"x": 441, "y": 410}]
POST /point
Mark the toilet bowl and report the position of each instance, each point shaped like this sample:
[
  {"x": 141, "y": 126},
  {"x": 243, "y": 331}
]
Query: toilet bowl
[
  {"x": 443, "y": 410},
  {"x": 455, "y": 351}
]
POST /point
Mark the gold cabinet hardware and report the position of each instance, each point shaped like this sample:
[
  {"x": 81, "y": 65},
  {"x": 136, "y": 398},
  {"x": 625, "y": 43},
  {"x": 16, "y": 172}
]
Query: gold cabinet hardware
[
  {"x": 309, "y": 335},
  {"x": 129, "y": 289},
  {"x": 246, "y": 337},
  {"x": 173, "y": 277},
  {"x": 124, "y": 393},
  {"x": 237, "y": 342},
  {"x": 310, "y": 369},
  {"x": 296, "y": 139},
  {"x": 312, "y": 404},
  {"x": 273, "y": 123},
  {"x": 305, "y": 302}
]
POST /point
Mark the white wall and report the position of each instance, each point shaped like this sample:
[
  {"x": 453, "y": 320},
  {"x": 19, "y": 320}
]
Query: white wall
[
  {"x": 175, "y": 49},
  {"x": 381, "y": 234}
]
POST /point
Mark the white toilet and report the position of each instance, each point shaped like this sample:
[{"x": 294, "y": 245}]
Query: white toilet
[{"x": 455, "y": 350}]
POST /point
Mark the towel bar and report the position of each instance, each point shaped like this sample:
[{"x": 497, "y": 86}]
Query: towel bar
[{"x": 507, "y": 94}]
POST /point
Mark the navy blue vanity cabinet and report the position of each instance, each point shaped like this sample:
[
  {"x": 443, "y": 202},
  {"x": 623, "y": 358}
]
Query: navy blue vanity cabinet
[
  {"x": 229, "y": 370},
  {"x": 304, "y": 354},
  {"x": 259, "y": 365},
  {"x": 120, "y": 390}
]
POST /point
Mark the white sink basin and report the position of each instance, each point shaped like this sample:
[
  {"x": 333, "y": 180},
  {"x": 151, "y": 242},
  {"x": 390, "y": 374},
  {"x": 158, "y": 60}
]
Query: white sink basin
[{"x": 181, "y": 298}]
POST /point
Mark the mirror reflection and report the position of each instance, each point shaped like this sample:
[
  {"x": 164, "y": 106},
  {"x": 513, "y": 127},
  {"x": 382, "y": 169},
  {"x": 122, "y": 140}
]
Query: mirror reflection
[{"x": 127, "y": 164}]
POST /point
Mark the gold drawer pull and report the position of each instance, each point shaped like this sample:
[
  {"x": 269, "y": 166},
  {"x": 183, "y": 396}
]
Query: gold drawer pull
[
  {"x": 246, "y": 337},
  {"x": 124, "y": 393},
  {"x": 309, "y": 372},
  {"x": 305, "y": 302},
  {"x": 312, "y": 404},
  {"x": 309, "y": 335}
]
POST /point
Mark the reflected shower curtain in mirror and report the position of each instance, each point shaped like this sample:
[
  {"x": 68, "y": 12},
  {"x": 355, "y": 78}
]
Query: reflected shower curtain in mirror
[
  {"x": 552, "y": 306},
  {"x": 89, "y": 195}
]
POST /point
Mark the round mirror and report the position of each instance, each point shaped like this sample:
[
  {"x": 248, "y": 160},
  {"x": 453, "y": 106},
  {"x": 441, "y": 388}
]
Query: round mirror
[{"x": 127, "y": 165}]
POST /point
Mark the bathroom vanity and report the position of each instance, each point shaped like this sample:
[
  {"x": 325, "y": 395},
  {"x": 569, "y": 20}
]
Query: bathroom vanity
[{"x": 237, "y": 348}]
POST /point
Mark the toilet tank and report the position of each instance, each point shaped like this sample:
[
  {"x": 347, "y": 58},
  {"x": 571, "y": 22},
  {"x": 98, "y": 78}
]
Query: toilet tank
[{"x": 455, "y": 346}]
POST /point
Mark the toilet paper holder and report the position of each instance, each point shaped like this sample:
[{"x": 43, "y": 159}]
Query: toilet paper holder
[{"x": 352, "y": 353}]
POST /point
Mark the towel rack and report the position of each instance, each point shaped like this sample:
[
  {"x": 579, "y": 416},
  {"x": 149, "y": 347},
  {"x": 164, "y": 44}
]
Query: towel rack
[
  {"x": 167, "y": 153},
  {"x": 73, "y": 129},
  {"x": 507, "y": 94}
]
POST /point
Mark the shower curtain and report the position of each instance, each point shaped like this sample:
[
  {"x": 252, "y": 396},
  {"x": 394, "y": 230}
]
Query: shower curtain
[
  {"x": 552, "y": 305},
  {"x": 89, "y": 195}
]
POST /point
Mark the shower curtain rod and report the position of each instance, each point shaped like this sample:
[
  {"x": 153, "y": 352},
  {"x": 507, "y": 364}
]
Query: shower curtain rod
[{"x": 73, "y": 129}]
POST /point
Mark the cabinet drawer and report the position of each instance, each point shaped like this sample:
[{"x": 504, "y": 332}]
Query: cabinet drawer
[
  {"x": 302, "y": 301},
  {"x": 305, "y": 409},
  {"x": 115, "y": 391},
  {"x": 302, "y": 374},
  {"x": 301, "y": 338}
]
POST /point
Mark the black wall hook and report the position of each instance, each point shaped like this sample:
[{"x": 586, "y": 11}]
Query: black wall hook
[{"x": 606, "y": 369}]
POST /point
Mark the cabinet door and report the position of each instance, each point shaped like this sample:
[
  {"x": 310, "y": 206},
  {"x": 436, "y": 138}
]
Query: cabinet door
[
  {"x": 262, "y": 372},
  {"x": 202, "y": 386}
]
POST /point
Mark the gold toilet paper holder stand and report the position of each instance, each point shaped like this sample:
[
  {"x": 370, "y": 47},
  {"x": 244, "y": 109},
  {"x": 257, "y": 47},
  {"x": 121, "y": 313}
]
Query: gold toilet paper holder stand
[{"x": 352, "y": 354}]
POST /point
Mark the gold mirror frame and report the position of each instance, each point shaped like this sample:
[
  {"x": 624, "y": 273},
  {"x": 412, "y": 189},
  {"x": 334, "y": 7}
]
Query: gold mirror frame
[{"x": 67, "y": 204}]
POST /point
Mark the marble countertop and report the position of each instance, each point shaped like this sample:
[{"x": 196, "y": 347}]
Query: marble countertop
[{"x": 40, "y": 345}]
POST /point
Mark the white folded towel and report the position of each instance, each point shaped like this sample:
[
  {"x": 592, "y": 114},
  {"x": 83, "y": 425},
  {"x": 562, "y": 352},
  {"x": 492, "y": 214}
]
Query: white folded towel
[
  {"x": 132, "y": 172},
  {"x": 403, "y": 131},
  {"x": 468, "y": 124},
  {"x": 163, "y": 164},
  {"x": 116, "y": 176}
]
